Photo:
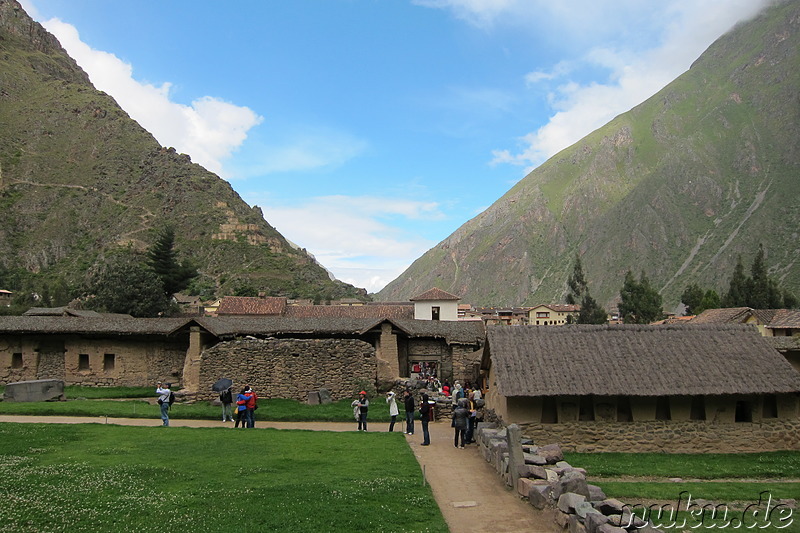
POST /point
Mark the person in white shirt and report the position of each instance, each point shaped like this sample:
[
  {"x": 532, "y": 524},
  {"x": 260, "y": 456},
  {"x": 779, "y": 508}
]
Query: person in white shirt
[{"x": 163, "y": 401}]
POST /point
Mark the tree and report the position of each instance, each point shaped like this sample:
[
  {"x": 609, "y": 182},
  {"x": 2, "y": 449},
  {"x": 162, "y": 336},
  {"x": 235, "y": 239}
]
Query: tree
[
  {"x": 124, "y": 283},
  {"x": 640, "y": 302},
  {"x": 737, "y": 288},
  {"x": 710, "y": 301},
  {"x": 591, "y": 312},
  {"x": 576, "y": 283},
  {"x": 692, "y": 297},
  {"x": 162, "y": 258}
]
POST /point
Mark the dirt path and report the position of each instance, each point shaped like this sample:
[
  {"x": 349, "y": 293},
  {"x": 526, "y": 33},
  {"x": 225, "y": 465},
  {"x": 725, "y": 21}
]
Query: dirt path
[{"x": 469, "y": 492}]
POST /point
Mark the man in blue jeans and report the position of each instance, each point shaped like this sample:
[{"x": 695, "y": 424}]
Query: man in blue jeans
[
  {"x": 163, "y": 401},
  {"x": 408, "y": 401},
  {"x": 425, "y": 417}
]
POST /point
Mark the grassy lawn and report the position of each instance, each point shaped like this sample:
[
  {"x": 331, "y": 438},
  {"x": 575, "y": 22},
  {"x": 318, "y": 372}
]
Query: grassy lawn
[
  {"x": 92, "y": 477},
  {"x": 737, "y": 480},
  {"x": 127, "y": 402}
]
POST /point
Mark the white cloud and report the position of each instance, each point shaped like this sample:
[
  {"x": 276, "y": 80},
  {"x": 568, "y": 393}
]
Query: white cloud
[
  {"x": 209, "y": 130},
  {"x": 661, "y": 41},
  {"x": 354, "y": 237}
]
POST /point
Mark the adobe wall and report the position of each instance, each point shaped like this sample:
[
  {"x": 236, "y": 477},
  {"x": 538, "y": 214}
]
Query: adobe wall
[
  {"x": 137, "y": 362},
  {"x": 289, "y": 368},
  {"x": 669, "y": 436}
]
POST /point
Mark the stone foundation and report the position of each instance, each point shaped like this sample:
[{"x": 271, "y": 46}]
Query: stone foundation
[{"x": 670, "y": 436}]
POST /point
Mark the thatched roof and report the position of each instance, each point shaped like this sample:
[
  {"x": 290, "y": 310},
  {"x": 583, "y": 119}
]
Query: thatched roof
[
  {"x": 634, "y": 360},
  {"x": 724, "y": 315},
  {"x": 102, "y": 325},
  {"x": 238, "y": 326},
  {"x": 451, "y": 332}
]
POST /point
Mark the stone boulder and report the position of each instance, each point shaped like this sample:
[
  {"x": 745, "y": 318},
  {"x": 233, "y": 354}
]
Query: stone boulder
[
  {"x": 325, "y": 396},
  {"x": 40, "y": 390},
  {"x": 572, "y": 481}
]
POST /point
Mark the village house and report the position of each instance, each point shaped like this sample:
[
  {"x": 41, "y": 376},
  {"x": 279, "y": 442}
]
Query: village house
[
  {"x": 5, "y": 298},
  {"x": 781, "y": 327},
  {"x": 678, "y": 388},
  {"x": 282, "y": 355},
  {"x": 553, "y": 314},
  {"x": 436, "y": 304}
]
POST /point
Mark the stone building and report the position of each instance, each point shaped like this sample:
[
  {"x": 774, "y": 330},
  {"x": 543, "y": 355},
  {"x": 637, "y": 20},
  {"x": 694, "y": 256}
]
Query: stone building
[
  {"x": 678, "y": 388},
  {"x": 195, "y": 352}
]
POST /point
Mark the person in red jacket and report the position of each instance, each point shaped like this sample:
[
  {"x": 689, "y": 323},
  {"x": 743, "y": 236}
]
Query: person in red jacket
[{"x": 251, "y": 405}]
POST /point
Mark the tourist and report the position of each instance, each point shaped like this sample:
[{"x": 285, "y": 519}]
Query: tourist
[
  {"x": 408, "y": 401},
  {"x": 163, "y": 401},
  {"x": 460, "y": 416},
  {"x": 446, "y": 389},
  {"x": 393, "y": 411},
  {"x": 457, "y": 392},
  {"x": 226, "y": 398},
  {"x": 473, "y": 417},
  {"x": 425, "y": 412},
  {"x": 362, "y": 405},
  {"x": 251, "y": 405},
  {"x": 241, "y": 409}
]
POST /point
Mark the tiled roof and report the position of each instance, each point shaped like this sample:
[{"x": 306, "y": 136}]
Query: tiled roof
[
  {"x": 636, "y": 360},
  {"x": 561, "y": 308},
  {"x": 434, "y": 294},
  {"x": 350, "y": 311},
  {"x": 725, "y": 315},
  {"x": 786, "y": 318},
  {"x": 244, "y": 305}
]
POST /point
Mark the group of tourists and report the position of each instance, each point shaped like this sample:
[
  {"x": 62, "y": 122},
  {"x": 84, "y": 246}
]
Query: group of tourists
[
  {"x": 246, "y": 404},
  {"x": 464, "y": 419}
]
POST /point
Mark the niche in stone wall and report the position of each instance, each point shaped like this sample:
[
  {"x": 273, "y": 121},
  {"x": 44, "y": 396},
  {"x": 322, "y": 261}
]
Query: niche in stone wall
[
  {"x": 744, "y": 411},
  {"x": 549, "y": 410},
  {"x": 662, "y": 408},
  {"x": 624, "y": 413},
  {"x": 769, "y": 406},
  {"x": 697, "y": 409},
  {"x": 586, "y": 409}
]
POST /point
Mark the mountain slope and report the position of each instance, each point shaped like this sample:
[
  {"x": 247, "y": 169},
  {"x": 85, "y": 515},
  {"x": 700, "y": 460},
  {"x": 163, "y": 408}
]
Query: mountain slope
[
  {"x": 78, "y": 178},
  {"x": 679, "y": 186}
]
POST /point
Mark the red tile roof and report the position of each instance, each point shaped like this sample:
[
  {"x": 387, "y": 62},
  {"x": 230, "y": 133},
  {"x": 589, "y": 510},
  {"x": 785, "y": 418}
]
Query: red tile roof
[
  {"x": 245, "y": 305},
  {"x": 434, "y": 294}
]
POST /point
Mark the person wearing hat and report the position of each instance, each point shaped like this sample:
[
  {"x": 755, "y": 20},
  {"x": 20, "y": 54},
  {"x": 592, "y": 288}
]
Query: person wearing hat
[
  {"x": 163, "y": 391},
  {"x": 393, "y": 411},
  {"x": 361, "y": 406}
]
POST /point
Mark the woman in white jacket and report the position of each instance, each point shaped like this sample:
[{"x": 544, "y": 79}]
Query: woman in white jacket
[{"x": 393, "y": 411}]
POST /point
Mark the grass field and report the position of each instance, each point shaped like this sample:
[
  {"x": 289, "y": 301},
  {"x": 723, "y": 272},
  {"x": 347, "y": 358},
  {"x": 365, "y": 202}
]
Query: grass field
[
  {"x": 128, "y": 402},
  {"x": 738, "y": 481},
  {"x": 97, "y": 478}
]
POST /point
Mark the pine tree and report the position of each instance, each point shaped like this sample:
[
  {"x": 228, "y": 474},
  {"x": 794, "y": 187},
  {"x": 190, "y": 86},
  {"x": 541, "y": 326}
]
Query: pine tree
[
  {"x": 163, "y": 259},
  {"x": 576, "y": 283},
  {"x": 591, "y": 312},
  {"x": 125, "y": 284},
  {"x": 692, "y": 297},
  {"x": 737, "y": 288}
]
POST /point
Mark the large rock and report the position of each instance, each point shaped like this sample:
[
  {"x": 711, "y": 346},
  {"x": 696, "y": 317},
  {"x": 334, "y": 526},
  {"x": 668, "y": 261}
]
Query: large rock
[
  {"x": 596, "y": 494},
  {"x": 539, "y": 496},
  {"x": 567, "y": 502},
  {"x": 551, "y": 452},
  {"x": 515, "y": 454},
  {"x": 575, "y": 525},
  {"x": 40, "y": 390},
  {"x": 313, "y": 398},
  {"x": 572, "y": 481},
  {"x": 534, "y": 459},
  {"x": 593, "y": 521},
  {"x": 610, "y": 506},
  {"x": 325, "y": 396}
]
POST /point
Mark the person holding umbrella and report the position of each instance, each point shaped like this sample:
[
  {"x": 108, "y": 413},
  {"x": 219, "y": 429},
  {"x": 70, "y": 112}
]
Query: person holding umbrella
[{"x": 223, "y": 387}]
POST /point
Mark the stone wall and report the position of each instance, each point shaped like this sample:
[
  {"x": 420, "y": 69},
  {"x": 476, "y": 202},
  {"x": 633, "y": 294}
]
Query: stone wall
[
  {"x": 289, "y": 368},
  {"x": 670, "y": 436},
  {"x": 137, "y": 362}
]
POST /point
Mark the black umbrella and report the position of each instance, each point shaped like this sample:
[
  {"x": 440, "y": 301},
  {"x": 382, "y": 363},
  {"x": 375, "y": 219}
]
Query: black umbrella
[{"x": 222, "y": 384}]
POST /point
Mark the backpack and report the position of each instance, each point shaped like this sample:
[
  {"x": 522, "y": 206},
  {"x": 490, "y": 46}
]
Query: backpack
[{"x": 171, "y": 398}]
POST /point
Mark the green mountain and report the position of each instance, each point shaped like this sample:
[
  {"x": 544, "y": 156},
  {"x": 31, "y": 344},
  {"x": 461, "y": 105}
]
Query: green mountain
[
  {"x": 79, "y": 178},
  {"x": 677, "y": 187}
]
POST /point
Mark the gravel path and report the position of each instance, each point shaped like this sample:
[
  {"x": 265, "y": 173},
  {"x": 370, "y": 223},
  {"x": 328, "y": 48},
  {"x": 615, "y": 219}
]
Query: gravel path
[{"x": 472, "y": 497}]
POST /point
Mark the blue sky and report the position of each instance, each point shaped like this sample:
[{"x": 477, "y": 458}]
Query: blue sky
[{"x": 370, "y": 130}]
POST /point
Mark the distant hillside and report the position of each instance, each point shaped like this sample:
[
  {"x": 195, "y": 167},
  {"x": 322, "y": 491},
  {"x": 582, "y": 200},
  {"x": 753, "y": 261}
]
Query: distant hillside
[
  {"x": 679, "y": 186},
  {"x": 78, "y": 177}
]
